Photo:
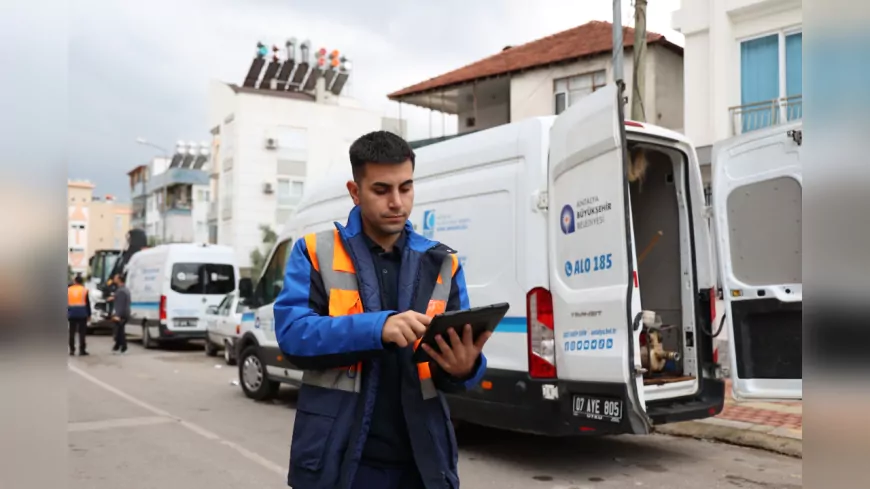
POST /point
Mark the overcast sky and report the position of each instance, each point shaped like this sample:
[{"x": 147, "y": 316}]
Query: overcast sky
[{"x": 142, "y": 69}]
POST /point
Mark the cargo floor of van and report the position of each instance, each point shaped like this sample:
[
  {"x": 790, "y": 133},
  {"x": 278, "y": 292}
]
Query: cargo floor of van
[
  {"x": 667, "y": 380},
  {"x": 660, "y": 216}
]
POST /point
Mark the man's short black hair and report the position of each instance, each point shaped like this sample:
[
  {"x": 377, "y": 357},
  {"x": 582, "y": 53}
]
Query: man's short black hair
[
  {"x": 79, "y": 279},
  {"x": 378, "y": 147}
]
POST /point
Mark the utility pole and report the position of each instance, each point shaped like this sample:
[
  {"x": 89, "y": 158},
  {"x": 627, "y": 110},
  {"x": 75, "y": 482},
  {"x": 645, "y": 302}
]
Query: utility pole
[
  {"x": 618, "y": 65},
  {"x": 638, "y": 112}
]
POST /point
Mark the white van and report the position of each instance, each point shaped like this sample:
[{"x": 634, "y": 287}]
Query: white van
[
  {"x": 172, "y": 285},
  {"x": 608, "y": 267}
]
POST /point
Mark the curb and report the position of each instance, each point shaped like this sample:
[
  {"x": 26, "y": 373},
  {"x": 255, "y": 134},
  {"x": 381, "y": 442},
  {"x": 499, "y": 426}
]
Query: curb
[{"x": 761, "y": 437}]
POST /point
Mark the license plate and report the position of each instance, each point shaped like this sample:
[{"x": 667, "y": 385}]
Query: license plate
[
  {"x": 185, "y": 323},
  {"x": 598, "y": 408}
]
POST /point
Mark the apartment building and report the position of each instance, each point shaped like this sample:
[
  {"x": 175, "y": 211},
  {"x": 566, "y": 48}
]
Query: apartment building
[
  {"x": 93, "y": 223},
  {"x": 743, "y": 67},
  {"x": 287, "y": 124},
  {"x": 543, "y": 77},
  {"x": 170, "y": 195}
]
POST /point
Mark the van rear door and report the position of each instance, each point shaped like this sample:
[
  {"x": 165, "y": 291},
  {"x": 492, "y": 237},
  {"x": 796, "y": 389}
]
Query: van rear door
[
  {"x": 757, "y": 206},
  {"x": 591, "y": 263}
]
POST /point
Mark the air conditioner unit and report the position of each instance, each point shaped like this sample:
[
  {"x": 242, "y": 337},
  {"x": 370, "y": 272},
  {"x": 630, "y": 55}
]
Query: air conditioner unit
[
  {"x": 267, "y": 188},
  {"x": 271, "y": 143}
]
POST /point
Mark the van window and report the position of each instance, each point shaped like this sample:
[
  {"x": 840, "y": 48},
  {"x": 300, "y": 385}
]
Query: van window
[
  {"x": 272, "y": 280},
  {"x": 203, "y": 278}
]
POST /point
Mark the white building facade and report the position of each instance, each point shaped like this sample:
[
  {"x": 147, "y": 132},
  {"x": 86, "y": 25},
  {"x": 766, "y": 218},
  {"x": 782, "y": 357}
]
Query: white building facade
[
  {"x": 266, "y": 145},
  {"x": 183, "y": 218},
  {"x": 742, "y": 67}
]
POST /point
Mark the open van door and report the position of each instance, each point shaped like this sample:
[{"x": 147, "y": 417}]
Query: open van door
[
  {"x": 590, "y": 257},
  {"x": 757, "y": 194}
]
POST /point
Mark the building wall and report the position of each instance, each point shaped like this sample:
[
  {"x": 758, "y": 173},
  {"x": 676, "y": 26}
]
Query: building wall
[
  {"x": 79, "y": 195},
  {"x": 313, "y": 138},
  {"x": 92, "y": 224},
  {"x": 713, "y": 32},
  {"x": 493, "y": 106},
  {"x": 532, "y": 92},
  {"x": 108, "y": 226}
]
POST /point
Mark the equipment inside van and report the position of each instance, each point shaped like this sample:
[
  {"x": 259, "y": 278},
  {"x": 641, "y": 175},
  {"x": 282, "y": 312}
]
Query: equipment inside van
[{"x": 597, "y": 234}]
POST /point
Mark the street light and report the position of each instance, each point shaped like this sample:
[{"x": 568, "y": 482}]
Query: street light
[{"x": 144, "y": 142}]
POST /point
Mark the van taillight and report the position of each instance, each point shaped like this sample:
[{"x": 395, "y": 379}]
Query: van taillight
[
  {"x": 163, "y": 308},
  {"x": 542, "y": 340}
]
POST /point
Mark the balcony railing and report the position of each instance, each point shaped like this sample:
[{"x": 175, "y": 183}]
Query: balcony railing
[{"x": 751, "y": 117}]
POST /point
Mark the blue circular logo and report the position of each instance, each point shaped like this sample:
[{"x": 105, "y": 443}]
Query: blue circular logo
[{"x": 568, "y": 268}]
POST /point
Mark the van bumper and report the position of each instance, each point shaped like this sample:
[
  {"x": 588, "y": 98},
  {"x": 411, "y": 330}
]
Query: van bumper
[
  {"x": 175, "y": 334},
  {"x": 516, "y": 402}
]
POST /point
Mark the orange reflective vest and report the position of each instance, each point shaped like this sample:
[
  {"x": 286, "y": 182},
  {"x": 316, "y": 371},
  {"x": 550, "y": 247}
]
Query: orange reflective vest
[
  {"x": 76, "y": 296},
  {"x": 330, "y": 259}
]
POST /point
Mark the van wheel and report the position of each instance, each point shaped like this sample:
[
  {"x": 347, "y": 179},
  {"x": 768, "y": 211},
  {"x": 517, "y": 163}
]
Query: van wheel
[
  {"x": 147, "y": 342},
  {"x": 229, "y": 358},
  {"x": 252, "y": 376},
  {"x": 210, "y": 348}
]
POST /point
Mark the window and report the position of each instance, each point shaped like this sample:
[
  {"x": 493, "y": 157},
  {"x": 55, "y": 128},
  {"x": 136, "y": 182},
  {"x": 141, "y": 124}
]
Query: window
[
  {"x": 223, "y": 308},
  {"x": 272, "y": 281},
  {"x": 203, "y": 278},
  {"x": 119, "y": 223},
  {"x": 770, "y": 80},
  {"x": 568, "y": 91},
  {"x": 289, "y": 192},
  {"x": 202, "y": 195}
]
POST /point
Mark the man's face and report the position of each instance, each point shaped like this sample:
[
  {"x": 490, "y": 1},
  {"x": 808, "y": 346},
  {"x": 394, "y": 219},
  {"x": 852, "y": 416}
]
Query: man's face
[{"x": 385, "y": 195}]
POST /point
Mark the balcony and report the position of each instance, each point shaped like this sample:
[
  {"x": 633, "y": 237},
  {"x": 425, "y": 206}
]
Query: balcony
[
  {"x": 177, "y": 176},
  {"x": 751, "y": 117},
  {"x": 138, "y": 191}
]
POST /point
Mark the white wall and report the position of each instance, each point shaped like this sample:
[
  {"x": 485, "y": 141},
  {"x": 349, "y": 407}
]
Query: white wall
[
  {"x": 330, "y": 129},
  {"x": 531, "y": 93},
  {"x": 713, "y": 31}
]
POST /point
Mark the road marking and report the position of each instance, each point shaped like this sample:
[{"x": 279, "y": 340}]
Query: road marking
[
  {"x": 109, "y": 424},
  {"x": 199, "y": 430}
]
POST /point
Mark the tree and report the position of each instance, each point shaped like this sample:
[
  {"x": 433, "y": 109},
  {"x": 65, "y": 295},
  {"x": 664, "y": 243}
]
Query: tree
[{"x": 259, "y": 255}]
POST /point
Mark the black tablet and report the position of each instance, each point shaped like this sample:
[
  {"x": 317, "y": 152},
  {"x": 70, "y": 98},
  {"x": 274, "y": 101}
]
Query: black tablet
[{"x": 481, "y": 319}]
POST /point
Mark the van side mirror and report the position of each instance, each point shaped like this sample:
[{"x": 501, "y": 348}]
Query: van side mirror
[{"x": 246, "y": 288}]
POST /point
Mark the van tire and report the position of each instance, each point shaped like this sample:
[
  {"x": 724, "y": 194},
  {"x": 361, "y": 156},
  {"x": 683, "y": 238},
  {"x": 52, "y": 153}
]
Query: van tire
[
  {"x": 147, "y": 342},
  {"x": 257, "y": 385},
  {"x": 210, "y": 348},
  {"x": 229, "y": 356}
]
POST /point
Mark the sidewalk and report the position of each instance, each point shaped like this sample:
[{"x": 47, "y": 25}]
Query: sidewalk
[{"x": 773, "y": 426}]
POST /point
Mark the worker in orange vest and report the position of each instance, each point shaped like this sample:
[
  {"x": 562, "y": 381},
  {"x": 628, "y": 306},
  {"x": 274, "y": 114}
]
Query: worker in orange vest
[{"x": 79, "y": 313}]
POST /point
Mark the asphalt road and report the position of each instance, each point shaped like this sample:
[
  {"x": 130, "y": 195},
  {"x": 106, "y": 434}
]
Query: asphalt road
[{"x": 166, "y": 419}]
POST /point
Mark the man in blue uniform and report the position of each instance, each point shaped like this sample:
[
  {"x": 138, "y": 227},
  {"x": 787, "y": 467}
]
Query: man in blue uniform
[{"x": 356, "y": 300}]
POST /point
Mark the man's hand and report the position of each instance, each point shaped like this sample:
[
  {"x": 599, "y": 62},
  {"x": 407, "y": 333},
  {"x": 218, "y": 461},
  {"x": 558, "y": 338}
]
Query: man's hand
[
  {"x": 116, "y": 319},
  {"x": 460, "y": 359},
  {"x": 403, "y": 329}
]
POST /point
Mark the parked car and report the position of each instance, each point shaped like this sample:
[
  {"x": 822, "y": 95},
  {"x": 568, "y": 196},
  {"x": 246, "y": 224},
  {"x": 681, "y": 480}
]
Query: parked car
[{"x": 223, "y": 327}]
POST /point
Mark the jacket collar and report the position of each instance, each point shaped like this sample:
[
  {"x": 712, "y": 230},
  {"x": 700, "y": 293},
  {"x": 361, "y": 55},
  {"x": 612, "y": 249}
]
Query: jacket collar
[{"x": 414, "y": 241}]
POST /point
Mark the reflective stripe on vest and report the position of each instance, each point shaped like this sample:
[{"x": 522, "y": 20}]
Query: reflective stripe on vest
[
  {"x": 331, "y": 260},
  {"x": 75, "y": 296}
]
